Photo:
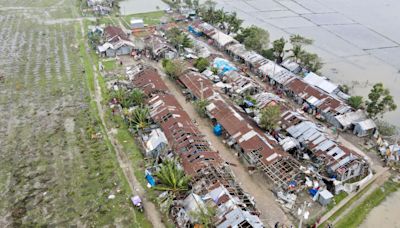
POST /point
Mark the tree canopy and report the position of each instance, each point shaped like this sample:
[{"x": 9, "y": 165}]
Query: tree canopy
[
  {"x": 200, "y": 106},
  {"x": 356, "y": 101},
  {"x": 201, "y": 64},
  {"x": 254, "y": 38},
  {"x": 172, "y": 178},
  {"x": 138, "y": 118},
  {"x": 178, "y": 38},
  {"x": 270, "y": 117},
  {"x": 174, "y": 68},
  {"x": 278, "y": 48},
  {"x": 228, "y": 22},
  {"x": 379, "y": 101}
]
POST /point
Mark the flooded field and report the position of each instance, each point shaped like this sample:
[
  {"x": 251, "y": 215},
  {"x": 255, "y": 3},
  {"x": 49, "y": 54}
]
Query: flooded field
[
  {"x": 139, "y": 6},
  {"x": 357, "y": 39},
  {"x": 52, "y": 171},
  {"x": 385, "y": 215}
]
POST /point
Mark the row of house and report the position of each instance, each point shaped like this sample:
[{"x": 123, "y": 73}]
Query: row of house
[
  {"x": 258, "y": 148},
  {"x": 318, "y": 95},
  {"x": 330, "y": 159},
  {"x": 213, "y": 184}
]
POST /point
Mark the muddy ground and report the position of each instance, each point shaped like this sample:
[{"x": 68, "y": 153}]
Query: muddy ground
[{"x": 52, "y": 172}]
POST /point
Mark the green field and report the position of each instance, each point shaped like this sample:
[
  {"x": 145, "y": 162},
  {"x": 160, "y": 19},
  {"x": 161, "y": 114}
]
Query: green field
[{"x": 57, "y": 167}]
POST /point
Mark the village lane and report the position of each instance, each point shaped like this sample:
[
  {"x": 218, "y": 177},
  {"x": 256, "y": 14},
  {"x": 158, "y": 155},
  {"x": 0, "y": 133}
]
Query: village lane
[{"x": 255, "y": 185}]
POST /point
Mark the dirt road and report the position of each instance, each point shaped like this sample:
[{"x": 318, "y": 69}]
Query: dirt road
[{"x": 271, "y": 212}]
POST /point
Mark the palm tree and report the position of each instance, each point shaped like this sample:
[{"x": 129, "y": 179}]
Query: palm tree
[
  {"x": 137, "y": 97},
  {"x": 234, "y": 23},
  {"x": 138, "y": 118},
  {"x": 297, "y": 53},
  {"x": 278, "y": 46},
  {"x": 173, "y": 179}
]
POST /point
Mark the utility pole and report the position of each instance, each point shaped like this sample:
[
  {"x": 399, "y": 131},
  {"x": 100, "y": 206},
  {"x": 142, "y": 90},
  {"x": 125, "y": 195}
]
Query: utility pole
[
  {"x": 201, "y": 88},
  {"x": 302, "y": 214}
]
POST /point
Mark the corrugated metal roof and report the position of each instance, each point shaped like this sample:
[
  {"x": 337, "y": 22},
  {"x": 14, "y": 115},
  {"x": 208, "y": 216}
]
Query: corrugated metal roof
[{"x": 320, "y": 82}]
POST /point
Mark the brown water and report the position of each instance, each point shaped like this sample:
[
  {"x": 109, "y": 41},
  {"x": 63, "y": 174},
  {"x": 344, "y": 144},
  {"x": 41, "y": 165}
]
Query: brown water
[{"x": 357, "y": 40}]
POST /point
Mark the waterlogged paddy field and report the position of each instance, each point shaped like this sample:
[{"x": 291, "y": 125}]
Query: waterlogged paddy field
[{"x": 51, "y": 170}]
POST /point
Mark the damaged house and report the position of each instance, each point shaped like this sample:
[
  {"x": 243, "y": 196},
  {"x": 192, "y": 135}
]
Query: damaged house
[
  {"x": 212, "y": 181},
  {"x": 259, "y": 149},
  {"x": 116, "y": 42},
  {"x": 159, "y": 47},
  {"x": 330, "y": 158}
]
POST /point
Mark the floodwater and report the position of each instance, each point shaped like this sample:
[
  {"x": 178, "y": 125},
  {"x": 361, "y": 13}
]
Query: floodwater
[
  {"x": 358, "y": 40},
  {"x": 141, "y": 6},
  {"x": 386, "y": 214}
]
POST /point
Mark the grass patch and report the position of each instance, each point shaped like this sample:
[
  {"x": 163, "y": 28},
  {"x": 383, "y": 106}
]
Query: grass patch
[
  {"x": 336, "y": 200},
  {"x": 109, "y": 65},
  {"x": 347, "y": 205},
  {"x": 150, "y": 18},
  {"x": 359, "y": 213}
]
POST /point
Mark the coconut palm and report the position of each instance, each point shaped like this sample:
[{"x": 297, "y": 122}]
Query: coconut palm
[
  {"x": 173, "y": 179},
  {"x": 137, "y": 97},
  {"x": 297, "y": 53},
  {"x": 138, "y": 118},
  {"x": 234, "y": 23}
]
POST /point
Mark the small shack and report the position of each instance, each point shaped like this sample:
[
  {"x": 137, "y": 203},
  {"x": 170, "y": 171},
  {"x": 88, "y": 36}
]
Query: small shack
[
  {"x": 364, "y": 128},
  {"x": 325, "y": 197},
  {"x": 137, "y": 23}
]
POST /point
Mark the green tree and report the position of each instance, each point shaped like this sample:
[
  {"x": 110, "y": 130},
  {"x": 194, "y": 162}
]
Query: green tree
[
  {"x": 172, "y": 178},
  {"x": 174, "y": 68},
  {"x": 298, "y": 42},
  {"x": 178, "y": 38},
  {"x": 379, "y": 101},
  {"x": 138, "y": 118},
  {"x": 201, "y": 64},
  {"x": 119, "y": 95},
  {"x": 356, "y": 101},
  {"x": 296, "y": 53},
  {"x": 201, "y": 107},
  {"x": 137, "y": 97},
  {"x": 270, "y": 117},
  {"x": 204, "y": 215},
  {"x": 254, "y": 38},
  {"x": 278, "y": 47},
  {"x": 344, "y": 88},
  {"x": 234, "y": 23},
  {"x": 311, "y": 62}
]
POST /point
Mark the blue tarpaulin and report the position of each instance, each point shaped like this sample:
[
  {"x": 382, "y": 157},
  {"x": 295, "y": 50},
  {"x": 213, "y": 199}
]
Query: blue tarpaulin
[
  {"x": 313, "y": 191},
  {"x": 150, "y": 179},
  {"x": 223, "y": 65},
  {"x": 194, "y": 31},
  {"x": 218, "y": 130},
  {"x": 248, "y": 103}
]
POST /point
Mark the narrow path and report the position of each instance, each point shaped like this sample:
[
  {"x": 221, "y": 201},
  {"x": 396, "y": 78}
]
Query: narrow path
[
  {"x": 376, "y": 184},
  {"x": 271, "y": 212},
  {"x": 151, "y": 211}
]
